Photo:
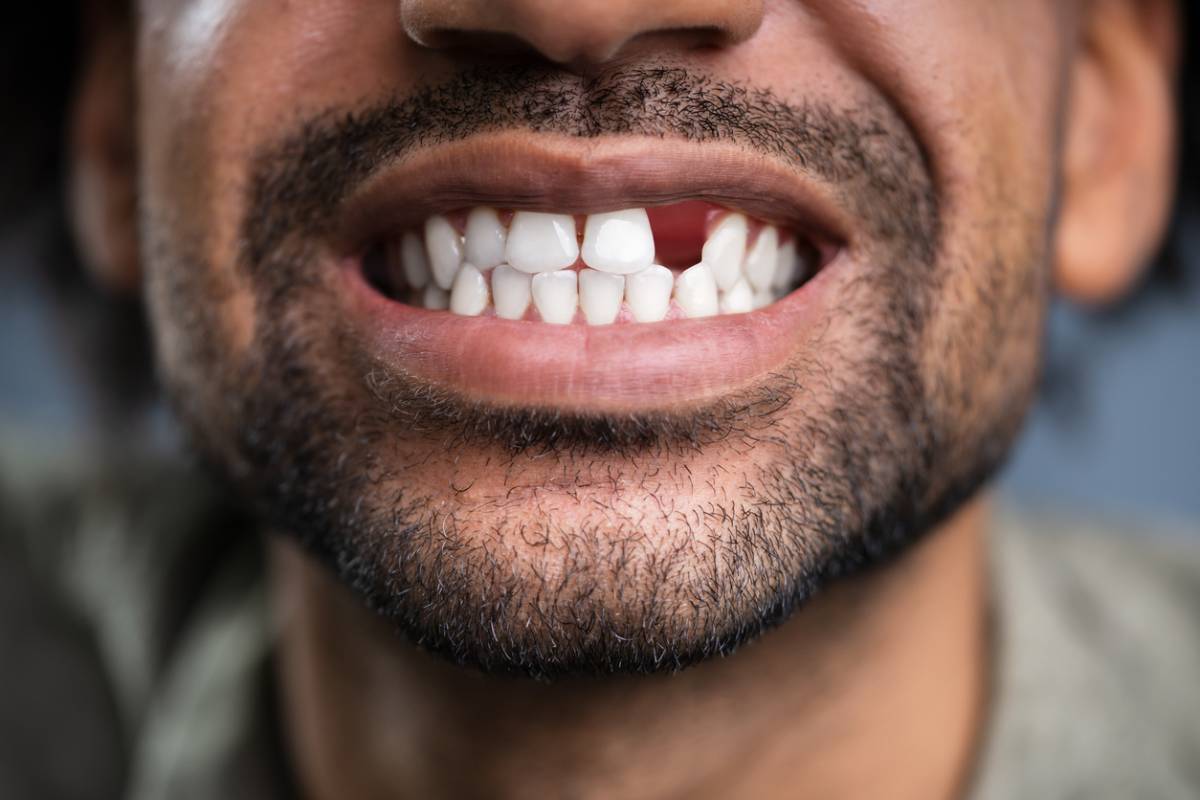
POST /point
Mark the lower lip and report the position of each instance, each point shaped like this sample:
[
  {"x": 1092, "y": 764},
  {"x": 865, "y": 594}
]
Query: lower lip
[{"x": 611, "y": 368}]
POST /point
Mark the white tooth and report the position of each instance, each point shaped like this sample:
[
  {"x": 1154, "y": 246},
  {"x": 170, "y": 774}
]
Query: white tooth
[
  {"x": 786, "y": 267},
  {"x": 444, "y": 246},
  {"x": 510, "y": 292},
  {"x": 540, "y": 242},
  {"x": 760, "y": 261},
  {"x": 648, "y": 293},
  {"x": 764, "y": 297},
  {"x": 435, "y": 298},
  {"x": 469, "y": 296},
  {"x": 696, "y": 291},
  {"x": 738, "y": 300},
  {"x": 556, "y": 295},
  {"x": 725, "y": 250},
  {"x": 412, "y": 258},
  {"x": 619, "y": 242},
  {"x": 600, "y": 296},
  {"x": 485, "y": 238}
]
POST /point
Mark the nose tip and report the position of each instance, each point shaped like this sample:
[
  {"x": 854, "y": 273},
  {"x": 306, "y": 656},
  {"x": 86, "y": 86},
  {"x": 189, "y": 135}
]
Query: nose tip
[{"x": 573, "y": 32}]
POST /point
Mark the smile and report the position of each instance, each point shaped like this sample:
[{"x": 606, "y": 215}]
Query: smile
[
  {"x": 680, "y": 261},
  {"x": 630, "y": 275}
]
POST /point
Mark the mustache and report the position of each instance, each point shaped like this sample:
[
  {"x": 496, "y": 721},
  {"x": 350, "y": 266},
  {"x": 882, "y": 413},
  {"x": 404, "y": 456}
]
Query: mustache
[{"x": 866, "y": 153}]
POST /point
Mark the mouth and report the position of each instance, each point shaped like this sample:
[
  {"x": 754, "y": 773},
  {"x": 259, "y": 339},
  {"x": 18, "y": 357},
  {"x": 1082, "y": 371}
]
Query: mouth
[
  {"x": 685, "y": 260},
  {"x": 618, "y": 276}
]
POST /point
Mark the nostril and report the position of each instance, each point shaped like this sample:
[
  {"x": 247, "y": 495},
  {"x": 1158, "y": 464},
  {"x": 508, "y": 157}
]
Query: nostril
[
  {"x": 474, "y": 43},
  {"x": 579, "y": 34}
]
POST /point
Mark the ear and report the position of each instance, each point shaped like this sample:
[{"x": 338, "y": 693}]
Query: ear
[
  {"x": 1119, "y": 148},
  {"x": 102, "y": 191}
]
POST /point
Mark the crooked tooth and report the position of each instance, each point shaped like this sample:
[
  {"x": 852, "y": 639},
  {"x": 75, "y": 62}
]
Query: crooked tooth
[
  {"x": 619, "y": 242},
  {"x": 556, "y": 295},
  {"x": 413, "y": 261},
  {"x": 764, "y": 297},
  {"x": 539, "y": 242},
  {"x": 469, "y": 295},
  {"x": 511, "y": 292},
  {"x": 738, "y": 300},
  {"x": 696, "y": 291},
  {"x": 485, "y": 239},
  {"x": 600, "y": 296},
  {"x": 435, "y": 298},
  {"x": 760, "y": 261},
  {"x": 725, "y": 250},
  {"x": 648, "y": 293},
  {"x": 444, "y": 246}
]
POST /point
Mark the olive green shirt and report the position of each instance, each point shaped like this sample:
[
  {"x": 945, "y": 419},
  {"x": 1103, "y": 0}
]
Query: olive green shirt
[{"x": 1095, "y": 691}]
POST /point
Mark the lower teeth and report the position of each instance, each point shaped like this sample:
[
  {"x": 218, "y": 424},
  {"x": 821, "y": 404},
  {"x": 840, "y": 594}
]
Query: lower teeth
[
  {"x": 568, "y": 297},
  {"x": 735, "y": 275}
]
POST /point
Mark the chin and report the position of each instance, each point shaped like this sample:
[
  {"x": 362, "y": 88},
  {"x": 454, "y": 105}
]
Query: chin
[{"x": 557, "y": 405}]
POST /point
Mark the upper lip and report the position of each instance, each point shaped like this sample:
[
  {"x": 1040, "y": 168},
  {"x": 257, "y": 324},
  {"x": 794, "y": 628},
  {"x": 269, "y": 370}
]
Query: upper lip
[
  {"x": 579, "y": 176},
  {"x": 586, "y": 368}
]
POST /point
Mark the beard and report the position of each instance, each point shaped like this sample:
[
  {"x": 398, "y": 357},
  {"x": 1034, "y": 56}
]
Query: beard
[{"x": 546, "y": 542}]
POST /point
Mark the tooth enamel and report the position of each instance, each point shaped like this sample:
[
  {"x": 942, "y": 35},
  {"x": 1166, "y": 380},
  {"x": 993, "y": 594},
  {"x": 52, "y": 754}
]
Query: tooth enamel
[
  {"x": 600, "y": 296},
  {"x": 619, "y": 242},
  {"x": 540, "y": 242},
  {"x": 760, "y": 261},
  {"x": 648, "y": 293},
  {"x": 555, "y": 295},
  {"x": 725, "y": 250},
  {"x": 485, "y": 238},
  {"x": 435, "y": 298},
  {"x": 444, "y": 246},
  {"x": 786, "y": 267},
  {"x": 510, "y": 292},
  {"x": 469, "y": 295},
  {"x": 413, "y": 261},
  {"x": 738, "y": 300},
  {"x": 696, "y": 291},
  {"x": 531, "y": 261}
]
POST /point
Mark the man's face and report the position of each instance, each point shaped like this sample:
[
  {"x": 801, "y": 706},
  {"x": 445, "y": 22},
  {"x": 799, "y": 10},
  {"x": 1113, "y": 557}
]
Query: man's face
[{"x": 546, "y": 494}]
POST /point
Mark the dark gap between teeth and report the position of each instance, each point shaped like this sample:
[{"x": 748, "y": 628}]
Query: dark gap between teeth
[{"x": 376, "y": 272}]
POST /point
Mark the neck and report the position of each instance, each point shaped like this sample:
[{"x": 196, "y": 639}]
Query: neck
[{"x": 875, "y": 688}]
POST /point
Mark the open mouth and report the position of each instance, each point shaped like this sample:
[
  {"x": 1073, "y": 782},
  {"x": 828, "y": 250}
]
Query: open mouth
[
  {"x": 682, "y": 260},
  {"x": 629, "y": 274}
]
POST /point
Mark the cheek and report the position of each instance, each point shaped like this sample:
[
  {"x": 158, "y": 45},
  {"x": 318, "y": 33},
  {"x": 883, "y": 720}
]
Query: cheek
[
  {"x": 193, "y": 159},
  {"x": 218, "y": 79},
  {"x": 983, "y": 86}
]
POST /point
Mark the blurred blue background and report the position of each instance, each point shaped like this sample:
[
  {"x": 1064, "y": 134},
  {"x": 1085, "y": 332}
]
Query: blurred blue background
[{"x": 1118, "y": 427}]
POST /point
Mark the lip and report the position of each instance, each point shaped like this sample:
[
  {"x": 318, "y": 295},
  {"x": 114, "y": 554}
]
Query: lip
[
  {"x": 570, "y": 175},
  {"x": 617, "y": 368}
]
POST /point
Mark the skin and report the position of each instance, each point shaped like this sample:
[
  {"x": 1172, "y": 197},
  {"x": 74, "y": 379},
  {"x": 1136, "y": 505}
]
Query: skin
[{"x": 873, "y": 678}]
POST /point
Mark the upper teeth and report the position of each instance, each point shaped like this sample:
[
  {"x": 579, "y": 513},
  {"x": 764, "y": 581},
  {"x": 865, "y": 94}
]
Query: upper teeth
[
  {"x": 619, "y": 242},
  {"x": 486, "y": 238},
  {"x": 445, "y": 250},
  {"x": 537, "y": 260},
  {"x": 540, "y": 242},
  {"x": 762, "y": 259},
  {"x": 725, "y": 250}
]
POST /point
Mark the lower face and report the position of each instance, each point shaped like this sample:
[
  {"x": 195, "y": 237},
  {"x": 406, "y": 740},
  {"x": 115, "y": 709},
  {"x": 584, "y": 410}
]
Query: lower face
[{"x": 608, "y": 374}]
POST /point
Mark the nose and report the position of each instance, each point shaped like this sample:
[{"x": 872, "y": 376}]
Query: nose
[{"x": 574, "y": 32}]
